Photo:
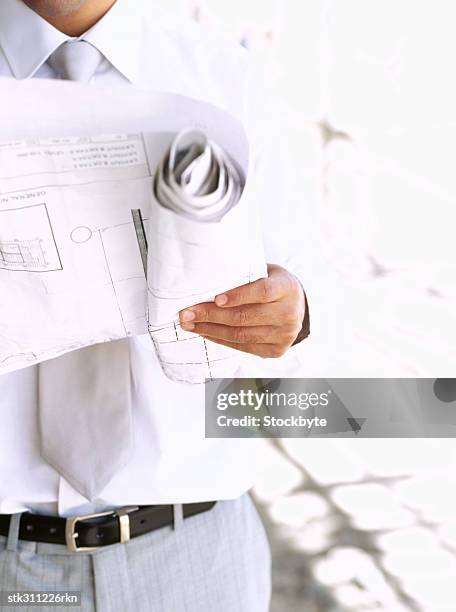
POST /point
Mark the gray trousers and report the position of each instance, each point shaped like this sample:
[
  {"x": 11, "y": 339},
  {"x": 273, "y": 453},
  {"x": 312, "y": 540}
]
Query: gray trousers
[{"x": 218, "y": 561}]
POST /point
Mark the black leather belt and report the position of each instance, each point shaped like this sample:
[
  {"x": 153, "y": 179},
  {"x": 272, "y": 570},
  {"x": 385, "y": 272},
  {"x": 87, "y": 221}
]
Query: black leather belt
[{"x": 93, "y": 531}]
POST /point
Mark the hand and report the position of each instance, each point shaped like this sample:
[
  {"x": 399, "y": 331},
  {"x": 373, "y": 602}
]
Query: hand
[{"x": 263, "y": 318}]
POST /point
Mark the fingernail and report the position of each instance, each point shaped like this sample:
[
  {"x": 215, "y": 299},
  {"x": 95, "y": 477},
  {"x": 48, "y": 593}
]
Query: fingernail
[
  {"x": 188, "y": 326},
  {"x": 221, "y": 300},
  {"x": 188, "y": 315}
]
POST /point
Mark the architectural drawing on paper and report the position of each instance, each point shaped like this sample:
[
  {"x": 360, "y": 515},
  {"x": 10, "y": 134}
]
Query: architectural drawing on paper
[
  {"x": 28, "y": 254},
  {"x": 196, "y": 351},
  {"x": 28, "y": 245},
  {"x": 81, "y": 234},
  {"x": 203, "y": 361}
]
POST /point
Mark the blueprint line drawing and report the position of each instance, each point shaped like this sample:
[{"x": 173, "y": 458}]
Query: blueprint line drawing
[
  {"x": 197, "y": 372},
  {"x": 174, "y": 328},
  {"x": 202, "y": 358},
  {"x": 81, "y": 234},
  {"x": 112, "y": 282},
  {"x": 26, "y": 253},
  {"x": 207, "y": 360},
  {"x": 21, "y": 253}
]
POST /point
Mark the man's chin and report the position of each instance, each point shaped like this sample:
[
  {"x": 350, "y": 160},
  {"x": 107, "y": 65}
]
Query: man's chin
[{"x": 55, "y": 8}]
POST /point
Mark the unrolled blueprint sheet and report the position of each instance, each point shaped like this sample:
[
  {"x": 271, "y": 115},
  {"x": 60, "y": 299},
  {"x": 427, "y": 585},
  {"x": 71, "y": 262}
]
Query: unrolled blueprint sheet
[{"x": 76, "y": 163}]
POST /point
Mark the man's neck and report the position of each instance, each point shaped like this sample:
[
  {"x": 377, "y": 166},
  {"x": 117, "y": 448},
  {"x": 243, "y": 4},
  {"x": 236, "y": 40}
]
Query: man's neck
[{"x": 83, "y": 19}]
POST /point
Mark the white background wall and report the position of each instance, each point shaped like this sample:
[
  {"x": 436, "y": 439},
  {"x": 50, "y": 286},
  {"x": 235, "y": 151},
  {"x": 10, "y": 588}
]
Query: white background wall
[{"x": 365, "y": 94}]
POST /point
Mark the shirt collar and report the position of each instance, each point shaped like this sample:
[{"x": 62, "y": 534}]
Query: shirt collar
[
  {"x": 27, "y": 39},
  {"x": 118, "y": 37}
]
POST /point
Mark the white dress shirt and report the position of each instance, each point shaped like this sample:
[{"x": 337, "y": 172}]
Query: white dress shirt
[{"x": 172, "y": 460}]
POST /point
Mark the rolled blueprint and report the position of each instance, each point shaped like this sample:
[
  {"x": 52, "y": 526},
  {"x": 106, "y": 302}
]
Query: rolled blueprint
[
  {"x": 197, "y": 179},
  {"x": 204, "y": 240}
]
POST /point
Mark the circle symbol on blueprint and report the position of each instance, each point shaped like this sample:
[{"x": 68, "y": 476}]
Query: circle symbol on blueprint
[{"x": 81, "y": 234}]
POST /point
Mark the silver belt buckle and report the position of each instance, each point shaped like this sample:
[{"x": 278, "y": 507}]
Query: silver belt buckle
[{"x": 71, "y": 535}]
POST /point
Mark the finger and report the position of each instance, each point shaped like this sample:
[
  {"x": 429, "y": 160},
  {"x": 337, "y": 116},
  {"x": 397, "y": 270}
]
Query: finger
[
  {"x": 262, "y": 291},
  {"x": 238, "y": 335},
  {"x": 279, "y": 335},
  {"x": 261, "y": 350},
  {"x": 249, "y": 315}
]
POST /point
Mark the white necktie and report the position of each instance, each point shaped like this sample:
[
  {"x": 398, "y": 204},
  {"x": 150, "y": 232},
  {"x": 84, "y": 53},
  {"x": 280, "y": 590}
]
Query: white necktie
[
  {"x": 84, "y": 397},
  {"x": 75, "y": 61}
]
